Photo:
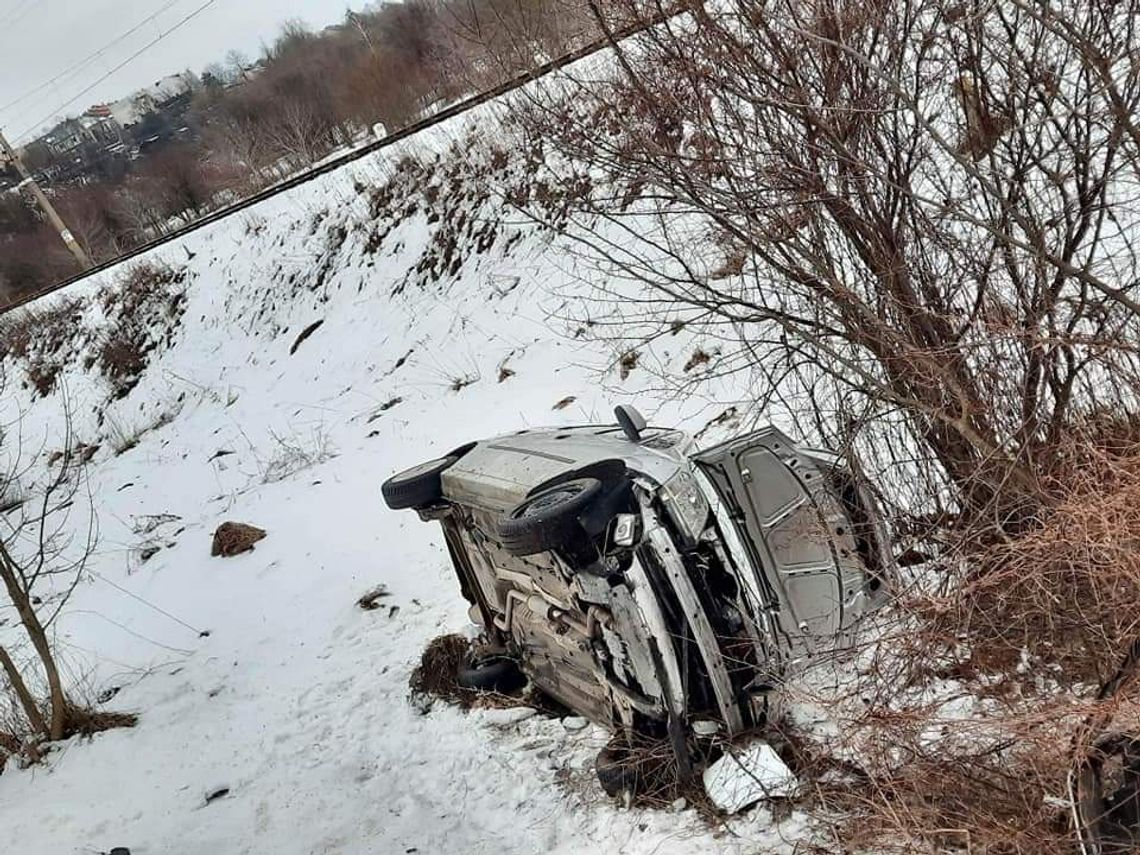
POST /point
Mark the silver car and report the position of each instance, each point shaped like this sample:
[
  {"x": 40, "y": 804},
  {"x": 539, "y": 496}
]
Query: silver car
[{"x": 651, "y": 587}]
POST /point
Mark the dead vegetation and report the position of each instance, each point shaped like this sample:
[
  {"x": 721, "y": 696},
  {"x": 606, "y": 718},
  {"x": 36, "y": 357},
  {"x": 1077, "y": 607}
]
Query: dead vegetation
[
  {"x": 45, "y": 340},
  {"x": 435, "y": 676},
  {"x": 700, "y": 357},
  {"x": 629, "y": 361},
  {"x": 143, "y": 312},
  {"x": 1005, "y": 678}
]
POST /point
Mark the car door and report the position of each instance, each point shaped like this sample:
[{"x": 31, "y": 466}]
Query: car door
[{"x": 795, "y": 531}]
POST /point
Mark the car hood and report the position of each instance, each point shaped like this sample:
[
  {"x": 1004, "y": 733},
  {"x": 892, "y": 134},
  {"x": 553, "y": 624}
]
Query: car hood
[{"x": 499, "y": 473}]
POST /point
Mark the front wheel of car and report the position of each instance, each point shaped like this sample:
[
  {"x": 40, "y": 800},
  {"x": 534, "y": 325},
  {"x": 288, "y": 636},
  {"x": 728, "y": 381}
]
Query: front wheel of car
[
  {"x": 417, "y": 487},
  {"x": 549, "y": 519}
]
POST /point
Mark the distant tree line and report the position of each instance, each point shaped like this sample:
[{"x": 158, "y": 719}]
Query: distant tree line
[{"x": 251, "y": 123}]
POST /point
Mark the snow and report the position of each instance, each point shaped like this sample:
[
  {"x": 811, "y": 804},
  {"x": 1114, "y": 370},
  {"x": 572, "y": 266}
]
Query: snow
[
  {"x": 751, "y": 773},
  {"x": 296, "y": 700}
]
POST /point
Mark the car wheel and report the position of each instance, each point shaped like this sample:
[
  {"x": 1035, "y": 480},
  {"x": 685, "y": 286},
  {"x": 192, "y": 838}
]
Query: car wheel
[
  {"x": 617, "y": 773},
  {"x": 417, "y": 487},
  {"x": 548, "y": 519},
  {"x": 491, "y": 675}
]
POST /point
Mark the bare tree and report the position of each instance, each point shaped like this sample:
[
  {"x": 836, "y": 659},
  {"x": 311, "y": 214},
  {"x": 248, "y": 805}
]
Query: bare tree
[
  {"x": 910, "y": 222},
  {"x": 236, "y": 66},
  {"x": 43, "y": 553}
]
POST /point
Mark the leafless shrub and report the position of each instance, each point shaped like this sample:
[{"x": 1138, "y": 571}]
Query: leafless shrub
[{"x": 45, "y": 544}]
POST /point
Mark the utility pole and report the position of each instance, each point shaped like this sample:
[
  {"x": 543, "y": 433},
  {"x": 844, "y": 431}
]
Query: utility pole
[{"x": 56, "y": 219}]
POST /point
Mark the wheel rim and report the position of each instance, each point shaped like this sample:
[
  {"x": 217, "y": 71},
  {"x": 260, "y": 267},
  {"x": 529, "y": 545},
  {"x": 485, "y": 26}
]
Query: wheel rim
[
  {"x": 422, "y": 469},
  {"x": 552, "y": 498}
]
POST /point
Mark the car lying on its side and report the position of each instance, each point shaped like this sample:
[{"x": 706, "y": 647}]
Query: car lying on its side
[{"x": 648, "y": 586}]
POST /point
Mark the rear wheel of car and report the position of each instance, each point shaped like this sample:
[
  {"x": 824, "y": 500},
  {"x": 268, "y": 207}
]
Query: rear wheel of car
[
  {"x": 617, "y": 772},
  {"x": 417, "y": 487},
  {"x": 548, "y": 519},
  {"x": 491, "y": 675}
]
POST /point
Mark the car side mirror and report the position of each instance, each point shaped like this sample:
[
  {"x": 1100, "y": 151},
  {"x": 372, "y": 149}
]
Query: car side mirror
[{"x": 632, "y": 422}]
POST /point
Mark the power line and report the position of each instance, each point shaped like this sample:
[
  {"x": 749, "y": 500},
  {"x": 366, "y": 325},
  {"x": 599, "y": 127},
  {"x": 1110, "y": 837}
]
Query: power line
[
  {"x": 87, "y": 60},
  {"x": 119, "y": 67}
]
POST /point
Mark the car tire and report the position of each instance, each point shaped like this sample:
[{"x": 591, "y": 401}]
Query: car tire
[
  {"x": 549, "y": 518},
  {"x": 499, "y": 675},
  {"x": 616, "y": 773},
  {"x": 417, "y": 487}
]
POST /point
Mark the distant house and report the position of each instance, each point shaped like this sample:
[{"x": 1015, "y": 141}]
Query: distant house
[{"x": 172, "y": 92}]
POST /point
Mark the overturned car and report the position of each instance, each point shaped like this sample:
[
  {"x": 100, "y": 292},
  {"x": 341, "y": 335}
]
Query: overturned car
[{"x": 650, "y": 587}]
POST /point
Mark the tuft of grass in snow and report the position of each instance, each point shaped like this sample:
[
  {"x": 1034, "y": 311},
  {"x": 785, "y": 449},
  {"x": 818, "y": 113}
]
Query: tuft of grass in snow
[
  {"x": 122, "y": 435},
  {"x": 458, "y": 384},
  {"x": 295, "y": 454}
]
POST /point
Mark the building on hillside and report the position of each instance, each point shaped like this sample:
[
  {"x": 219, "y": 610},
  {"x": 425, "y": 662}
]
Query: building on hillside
[
  {"x": 171, "y": 93},
  {"x": 101, "y": 143}
]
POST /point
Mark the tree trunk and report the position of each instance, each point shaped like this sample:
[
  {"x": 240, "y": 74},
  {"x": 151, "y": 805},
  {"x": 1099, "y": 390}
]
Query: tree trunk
[
  {"x": 31, "y": 709},
  {"x": 38, "y": 637}
]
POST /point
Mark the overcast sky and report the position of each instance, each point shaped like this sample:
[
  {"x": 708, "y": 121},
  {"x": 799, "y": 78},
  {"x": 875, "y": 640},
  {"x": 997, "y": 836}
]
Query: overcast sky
[{"x": 41, "y": 39}]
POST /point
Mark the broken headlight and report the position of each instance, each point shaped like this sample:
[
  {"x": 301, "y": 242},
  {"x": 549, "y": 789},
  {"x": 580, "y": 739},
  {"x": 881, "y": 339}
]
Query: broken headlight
[{"x": 686, "y": 504}]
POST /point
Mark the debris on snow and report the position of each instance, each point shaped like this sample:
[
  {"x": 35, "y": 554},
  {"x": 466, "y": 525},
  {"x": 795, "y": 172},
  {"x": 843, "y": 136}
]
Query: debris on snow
[
  {"x": 383, "y": 408},
  {"x": 305, "y": 333},
  {"x": 627, "y": 363},
  {"x": 371, "y": 600},
  {"x": 751, "y": 774},
  {"x": 700, "y": 357}
]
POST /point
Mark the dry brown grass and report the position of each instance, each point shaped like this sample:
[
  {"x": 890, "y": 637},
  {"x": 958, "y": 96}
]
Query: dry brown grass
[
  {"x": 44, "y": 339},
  {"x": 434, "y": 677},
  {"x": 143, "y": 311}
]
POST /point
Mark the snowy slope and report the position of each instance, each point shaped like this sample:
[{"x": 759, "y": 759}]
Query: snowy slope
[{"x": 296, "y": 701}]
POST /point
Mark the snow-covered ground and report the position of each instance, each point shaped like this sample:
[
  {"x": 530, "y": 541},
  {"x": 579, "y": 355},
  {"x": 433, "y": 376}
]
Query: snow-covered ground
[{"x": 296, "y": 701}]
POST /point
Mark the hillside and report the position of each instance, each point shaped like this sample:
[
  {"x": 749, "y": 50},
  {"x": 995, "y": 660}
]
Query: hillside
[{"x": 443, "y": 317}]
